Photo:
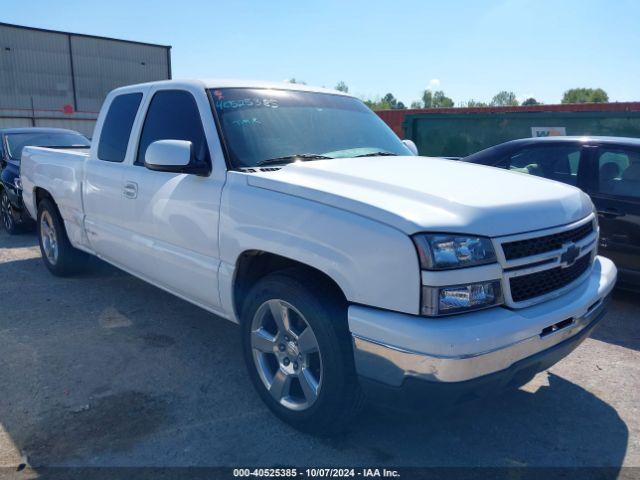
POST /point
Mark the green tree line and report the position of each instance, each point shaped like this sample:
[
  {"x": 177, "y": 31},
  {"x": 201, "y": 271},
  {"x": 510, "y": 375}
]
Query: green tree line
[{"x": 504, "y": 98}]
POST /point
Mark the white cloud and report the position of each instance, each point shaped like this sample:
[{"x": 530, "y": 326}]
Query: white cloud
[{"x": 434, "y": 83}]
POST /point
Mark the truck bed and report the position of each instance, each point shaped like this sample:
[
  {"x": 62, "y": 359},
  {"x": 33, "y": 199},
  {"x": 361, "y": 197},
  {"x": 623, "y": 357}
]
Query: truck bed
[{"x": 60, "y": 172}]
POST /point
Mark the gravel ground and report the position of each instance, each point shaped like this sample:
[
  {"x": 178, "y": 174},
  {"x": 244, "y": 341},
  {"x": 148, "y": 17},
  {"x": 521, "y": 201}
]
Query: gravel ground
[{"x": 105, "y": 370}]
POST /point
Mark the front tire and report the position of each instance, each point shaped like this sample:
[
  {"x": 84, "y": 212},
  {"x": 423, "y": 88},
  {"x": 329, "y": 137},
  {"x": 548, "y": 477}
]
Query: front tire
[
  {"x": 297, "y": 349},
  {"x": 6, "y": 212},
  {"x": 59, "y": 256}
]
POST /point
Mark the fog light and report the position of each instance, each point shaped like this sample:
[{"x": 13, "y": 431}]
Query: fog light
[{"x": 460, "y": 298}]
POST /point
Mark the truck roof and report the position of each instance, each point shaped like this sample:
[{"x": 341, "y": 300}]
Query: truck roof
[{"x": 234, "y": 83}]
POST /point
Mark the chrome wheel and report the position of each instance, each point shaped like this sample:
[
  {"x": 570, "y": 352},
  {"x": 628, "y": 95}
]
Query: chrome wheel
[
  {"x": 5, "y": 210},
  {"x": 286, "y": 354},
  {"x": 49, "y": 237}
]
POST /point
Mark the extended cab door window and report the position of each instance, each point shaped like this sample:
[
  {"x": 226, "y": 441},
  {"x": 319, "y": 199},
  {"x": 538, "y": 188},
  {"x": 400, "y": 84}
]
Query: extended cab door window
[
  {"x": 556, "y": 162},
  {"x": 116, "y": 128},
  {"x": 174, "y": 115}
]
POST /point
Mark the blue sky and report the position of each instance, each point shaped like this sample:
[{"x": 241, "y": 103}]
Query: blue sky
[{"x": 468, "y": 48}]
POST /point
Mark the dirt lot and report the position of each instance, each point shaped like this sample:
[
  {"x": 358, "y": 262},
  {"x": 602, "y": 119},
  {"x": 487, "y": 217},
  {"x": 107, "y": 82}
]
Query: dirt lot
[{"x": 105, "y": 370}]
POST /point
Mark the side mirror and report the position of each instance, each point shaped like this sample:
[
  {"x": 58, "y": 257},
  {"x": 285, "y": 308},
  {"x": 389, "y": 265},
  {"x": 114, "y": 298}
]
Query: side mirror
[
  {"x": 175, "y": 156},
  {"x": 411, "y": 146}
]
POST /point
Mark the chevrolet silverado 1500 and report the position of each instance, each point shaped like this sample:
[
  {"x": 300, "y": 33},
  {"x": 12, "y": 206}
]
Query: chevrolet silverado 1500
[{"x": 351, "y": 264}]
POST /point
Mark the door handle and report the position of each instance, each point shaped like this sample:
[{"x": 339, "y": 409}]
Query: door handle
[
  {"x": 610, "y": 213},
  {"x": 130, "y": 190}
]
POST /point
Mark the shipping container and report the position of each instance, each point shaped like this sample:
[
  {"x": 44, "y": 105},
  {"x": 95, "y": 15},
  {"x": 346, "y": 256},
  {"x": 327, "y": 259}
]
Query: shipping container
[{"x": 457, "y": 132}]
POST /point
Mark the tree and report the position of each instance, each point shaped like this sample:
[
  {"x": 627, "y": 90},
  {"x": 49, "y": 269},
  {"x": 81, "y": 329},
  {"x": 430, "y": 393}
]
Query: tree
[
  {"x": 504, "y": 99},
  {"x": 531, "y": 101},
  {"x": 473, "y": 104},
  {"x": 427, "y": 99},
  {"x": 377, "y": 103},
  {"x": 435, "y": 99},
  {"x": 300, "y": 82},
  {"x": 342, "y": 87},
  {"x": 416, "y": 104},
  {"x": 440, "y": 100},
  {"x": 585, "y": 95},
  {"x": 388, "y": 102}
]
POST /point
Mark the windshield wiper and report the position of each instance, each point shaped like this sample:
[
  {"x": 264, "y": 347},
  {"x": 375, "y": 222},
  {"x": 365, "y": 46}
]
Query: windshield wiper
[
  {"x": 292, "y": 158},
  {"x": 377, "y": 154}
]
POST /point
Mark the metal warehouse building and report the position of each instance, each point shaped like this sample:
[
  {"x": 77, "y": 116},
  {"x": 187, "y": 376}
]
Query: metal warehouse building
[{"x": 59, "y": 79}]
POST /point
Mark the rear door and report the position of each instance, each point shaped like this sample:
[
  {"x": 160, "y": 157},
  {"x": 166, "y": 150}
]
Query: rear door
[
  {"x": 615, "y": 192},
  {"x": 102, "y": 186}
]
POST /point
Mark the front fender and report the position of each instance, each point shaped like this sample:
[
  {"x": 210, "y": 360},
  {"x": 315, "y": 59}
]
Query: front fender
[{"x": 373, "y": 264}]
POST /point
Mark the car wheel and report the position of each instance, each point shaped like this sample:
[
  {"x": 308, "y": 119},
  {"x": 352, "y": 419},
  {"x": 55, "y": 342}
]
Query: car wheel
[
  {"x": 59, "y": 256},
  {"x": 6, "y": 212},
  {"x": 298, "y": 350}
]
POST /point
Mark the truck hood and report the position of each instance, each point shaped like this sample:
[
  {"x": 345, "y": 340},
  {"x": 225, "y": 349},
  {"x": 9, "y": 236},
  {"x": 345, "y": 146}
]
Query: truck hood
[{"x": 417, "y": 194}]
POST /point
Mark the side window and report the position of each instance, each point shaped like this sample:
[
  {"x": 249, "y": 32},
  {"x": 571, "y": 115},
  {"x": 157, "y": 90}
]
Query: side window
[
  {"x": 173, "y": 115},
  {"x": 116, "y": 128},
  {"x": 619, "y": 172},
  {"x": 556, "y": 162}
]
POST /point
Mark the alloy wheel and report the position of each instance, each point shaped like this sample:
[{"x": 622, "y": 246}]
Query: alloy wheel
[
  {"x": 7, "y": 215},
  {"x": 286, "y": 354},
  {"x": 49, "y": 237}
]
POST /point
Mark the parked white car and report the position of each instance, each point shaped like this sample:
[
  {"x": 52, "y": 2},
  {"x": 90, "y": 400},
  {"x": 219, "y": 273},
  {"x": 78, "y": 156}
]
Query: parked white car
[{"x": 351, "y": 264}]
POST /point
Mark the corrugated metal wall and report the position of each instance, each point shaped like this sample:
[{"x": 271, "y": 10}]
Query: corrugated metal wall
[
  {"x": 60, "y": 79},
  {"x": 102, "y": 65}
]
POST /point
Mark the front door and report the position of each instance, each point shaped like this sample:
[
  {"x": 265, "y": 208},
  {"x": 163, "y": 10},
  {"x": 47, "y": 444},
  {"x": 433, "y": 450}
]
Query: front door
[{"x": 172, "y": 218}]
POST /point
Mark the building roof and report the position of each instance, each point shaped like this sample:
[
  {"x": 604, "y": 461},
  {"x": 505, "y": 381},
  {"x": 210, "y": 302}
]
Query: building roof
[{"x": 36, "y": 29}]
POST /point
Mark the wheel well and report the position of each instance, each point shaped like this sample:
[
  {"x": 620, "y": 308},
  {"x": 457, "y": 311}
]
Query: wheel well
[
  {"x": 41, "y": 194},
  {"x": 255, "y": 264}
]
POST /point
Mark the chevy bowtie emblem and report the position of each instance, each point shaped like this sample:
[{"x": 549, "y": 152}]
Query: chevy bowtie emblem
[{"x": 569, "y": 256}]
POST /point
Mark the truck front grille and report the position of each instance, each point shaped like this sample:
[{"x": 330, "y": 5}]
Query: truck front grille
[
  {"x": 533, "y": 285},
  {"x": 547, "y": 243}
]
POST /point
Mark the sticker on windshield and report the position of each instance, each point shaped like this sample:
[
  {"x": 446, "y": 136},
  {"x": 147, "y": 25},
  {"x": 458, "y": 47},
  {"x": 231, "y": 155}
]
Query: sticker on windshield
[{"x": 246, "y": 102}]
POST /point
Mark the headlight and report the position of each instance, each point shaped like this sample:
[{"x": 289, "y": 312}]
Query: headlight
[
  {"x": 446, "y": 251},
  {"x": 17, "y": 183},
  {"x": 460, "y": 298}
]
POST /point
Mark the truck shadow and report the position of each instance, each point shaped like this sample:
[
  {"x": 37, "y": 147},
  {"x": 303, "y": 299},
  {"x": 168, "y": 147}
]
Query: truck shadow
[
  {"x": 561, "y": 424},
  {"x": 106, "y": 370},
  {"x": 621, "y": 326}
]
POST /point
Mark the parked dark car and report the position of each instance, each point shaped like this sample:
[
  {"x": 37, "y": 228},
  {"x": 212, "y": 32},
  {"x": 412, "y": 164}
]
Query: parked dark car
[
  {"x": 607, "y": 168},
  {"x": 12, "y": 141}
]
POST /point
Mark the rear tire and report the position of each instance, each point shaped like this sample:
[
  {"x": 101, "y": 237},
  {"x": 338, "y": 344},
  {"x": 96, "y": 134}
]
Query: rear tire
[
  {"x": 59, "y": 256},
  {"x": 297, "y": 348},
  {"x": 6, "y": 213}
]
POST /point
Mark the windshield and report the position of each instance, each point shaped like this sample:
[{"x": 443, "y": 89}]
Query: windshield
[
  {"x": 267, "y": 124},
  {"x": 17, "y": 141}
]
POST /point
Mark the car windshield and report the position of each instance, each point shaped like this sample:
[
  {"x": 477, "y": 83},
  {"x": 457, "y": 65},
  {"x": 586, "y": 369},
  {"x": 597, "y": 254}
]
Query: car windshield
[
  {"x": 262, "y": 126},
  {"x": 17, "y": 141}
]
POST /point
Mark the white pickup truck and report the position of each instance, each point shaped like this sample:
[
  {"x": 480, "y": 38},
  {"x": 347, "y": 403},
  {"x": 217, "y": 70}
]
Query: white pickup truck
[{"x": 351, "y": 264}]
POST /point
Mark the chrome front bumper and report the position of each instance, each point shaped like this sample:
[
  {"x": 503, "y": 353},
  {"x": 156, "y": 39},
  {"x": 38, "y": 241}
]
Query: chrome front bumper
[{"x": 390, "y": 347}]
